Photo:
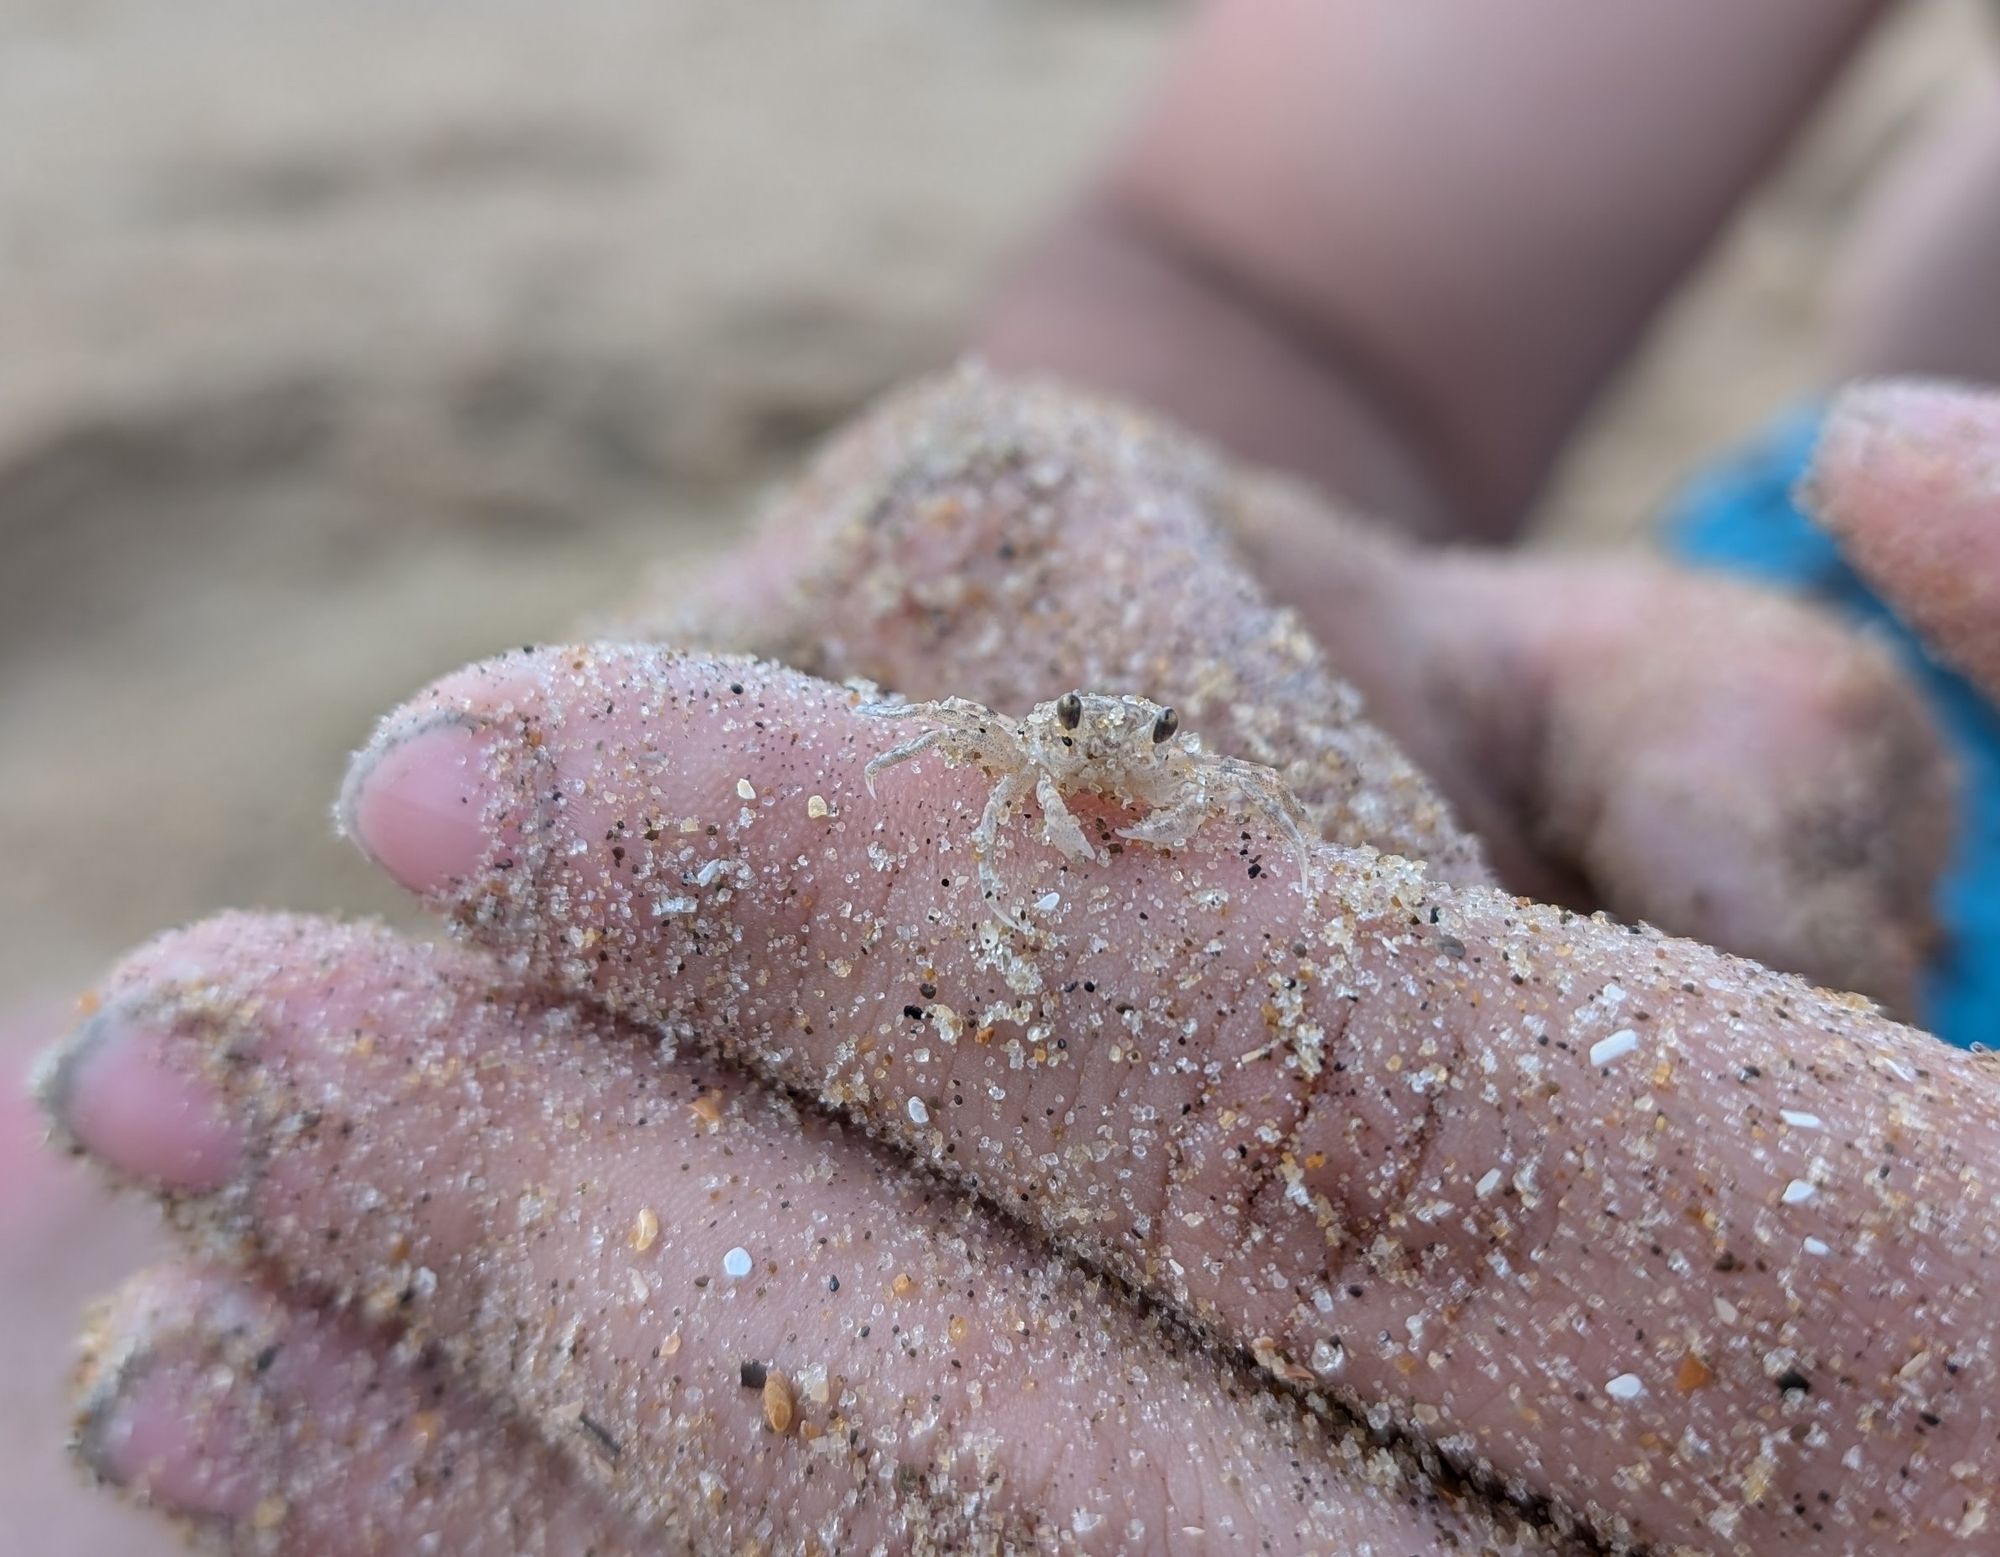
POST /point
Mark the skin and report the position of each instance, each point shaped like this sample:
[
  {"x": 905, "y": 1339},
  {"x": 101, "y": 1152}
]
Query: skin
[
  {"x": 1278, "y": 1115},
  {"x": 1715, "y": 1207},
  {"x": 1774, "y": 786},
  {"x": 1398, "y": 249},
  {"x": 505, "y": 1199}
]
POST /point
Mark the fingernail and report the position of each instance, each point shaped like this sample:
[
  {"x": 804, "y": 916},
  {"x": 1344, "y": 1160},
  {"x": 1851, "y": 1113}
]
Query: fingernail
[
  {"x": 103, "y": 1435},
  {"x": 173, "y": 1430},
  {"x": 417, "y": 802},
  {"x": 124, "y": 1093}
]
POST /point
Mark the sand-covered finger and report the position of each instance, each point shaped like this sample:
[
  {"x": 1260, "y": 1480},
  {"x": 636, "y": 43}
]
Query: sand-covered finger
[
  {"x": 734, "y": 1323},
  {"x": 264, "y": 1427},
  {"x": 1906, "y": 479},
  {"x": 1563, "y": 1195}
]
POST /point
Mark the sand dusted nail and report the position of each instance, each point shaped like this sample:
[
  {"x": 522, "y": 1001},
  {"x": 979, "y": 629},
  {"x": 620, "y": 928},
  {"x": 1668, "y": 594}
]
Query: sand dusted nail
[
  {"x": 266, "y": 1427},
  {"x": 415, "y": 800},
  {"x": 168, "y": 1406},
  {"x": 122, "y": 1090}
]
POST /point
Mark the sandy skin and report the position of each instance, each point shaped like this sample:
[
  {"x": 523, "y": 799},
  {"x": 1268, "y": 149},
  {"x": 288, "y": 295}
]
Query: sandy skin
[
  {"x": 1611, "y": 732},
  {"x": 1614, "y": 1218},
  {"x": 686, "y": 1314},
  {"x": 1589, "y": 1207}
]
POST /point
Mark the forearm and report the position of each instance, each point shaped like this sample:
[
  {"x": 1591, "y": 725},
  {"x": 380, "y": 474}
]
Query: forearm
[
  {"x": 1921, "y": 289},
  {"x": 1109, "y": 297},
  {"x": 1431, "y": 230}
]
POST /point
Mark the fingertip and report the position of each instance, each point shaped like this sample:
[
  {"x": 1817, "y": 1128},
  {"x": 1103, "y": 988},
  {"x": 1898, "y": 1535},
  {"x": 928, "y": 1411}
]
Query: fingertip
[
  {"x": 1922, "y": 407},
  {"x": 417, "y": 802},
  {"x": 114, "y": 1090},
  {"x": 167, "y": 1433},
  {"x": 1891, "y": 447},
  {"x": 162, "y": 1408},
  {"x": 1906, "y": 479}
]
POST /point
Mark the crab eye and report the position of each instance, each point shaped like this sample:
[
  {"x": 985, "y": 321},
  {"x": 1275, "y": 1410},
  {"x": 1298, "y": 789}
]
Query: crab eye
[
  {"x": 1165, "y": 725},
  {"x": 1069, "y": 709}
]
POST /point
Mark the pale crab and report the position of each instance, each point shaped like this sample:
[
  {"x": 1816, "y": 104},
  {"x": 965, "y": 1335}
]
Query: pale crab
[{"x": 1127, "y": 749}]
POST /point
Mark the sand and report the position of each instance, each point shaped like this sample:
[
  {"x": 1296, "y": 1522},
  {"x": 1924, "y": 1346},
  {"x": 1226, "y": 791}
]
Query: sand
[{"x": 345, "y": 342}]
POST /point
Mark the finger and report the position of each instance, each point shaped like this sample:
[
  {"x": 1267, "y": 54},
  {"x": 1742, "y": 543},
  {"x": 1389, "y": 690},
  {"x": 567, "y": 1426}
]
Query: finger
[
  {"x": 738, "y": 1325},
  {"x": 1705, "y": 756},
  {"x": 272, "y": 1429},
  {"x": 1682, "y": 751},
  {"x": 1008, "y": 543},
  {"x": 60, "y": 1241},
  {"x": 1602, "y": 1210},
  {"x": 1906, "y": 479}
]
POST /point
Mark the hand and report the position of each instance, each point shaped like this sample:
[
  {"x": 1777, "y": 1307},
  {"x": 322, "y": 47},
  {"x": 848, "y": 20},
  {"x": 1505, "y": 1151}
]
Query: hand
[
  {"x": 593, "y": 1299},
  {"x": 1678, "y": 749},
  {"x": 1675, "y": 1223}
]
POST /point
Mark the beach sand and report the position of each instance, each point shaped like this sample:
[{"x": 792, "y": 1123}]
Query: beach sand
[{"x": 345, "y": 343}]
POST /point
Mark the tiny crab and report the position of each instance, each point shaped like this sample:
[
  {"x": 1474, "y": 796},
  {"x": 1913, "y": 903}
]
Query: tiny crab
[{"x": 1125, "y": 748}]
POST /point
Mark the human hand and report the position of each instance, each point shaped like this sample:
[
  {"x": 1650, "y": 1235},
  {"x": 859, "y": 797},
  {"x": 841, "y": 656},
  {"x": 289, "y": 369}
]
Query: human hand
[
  {"x": 544, "y": 1334},
  {"x": 245, "y": 1008},
  {"x": 1681, "y": 749}
]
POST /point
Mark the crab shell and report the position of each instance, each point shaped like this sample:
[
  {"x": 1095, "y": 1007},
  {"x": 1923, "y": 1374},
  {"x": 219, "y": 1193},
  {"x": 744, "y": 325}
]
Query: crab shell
[{"x": 1108, "y": 747}]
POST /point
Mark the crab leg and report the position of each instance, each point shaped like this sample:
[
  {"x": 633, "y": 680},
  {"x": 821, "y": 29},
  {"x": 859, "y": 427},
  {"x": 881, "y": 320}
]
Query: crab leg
[
  {"x": 899, "y": 754},
  {"x": 1263, "y": 789},
  {"x": 1059, "y": 827},
  {"x": 999, "y": 804},
  {"x": 1171, "y": 826}
]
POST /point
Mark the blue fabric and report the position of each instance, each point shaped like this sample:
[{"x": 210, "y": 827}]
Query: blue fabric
[{"x": 1739, "y": 517}]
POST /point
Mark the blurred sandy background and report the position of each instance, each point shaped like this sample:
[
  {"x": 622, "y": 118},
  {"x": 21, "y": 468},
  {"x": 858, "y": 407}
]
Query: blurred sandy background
[{"x": 341, "y": 342}]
